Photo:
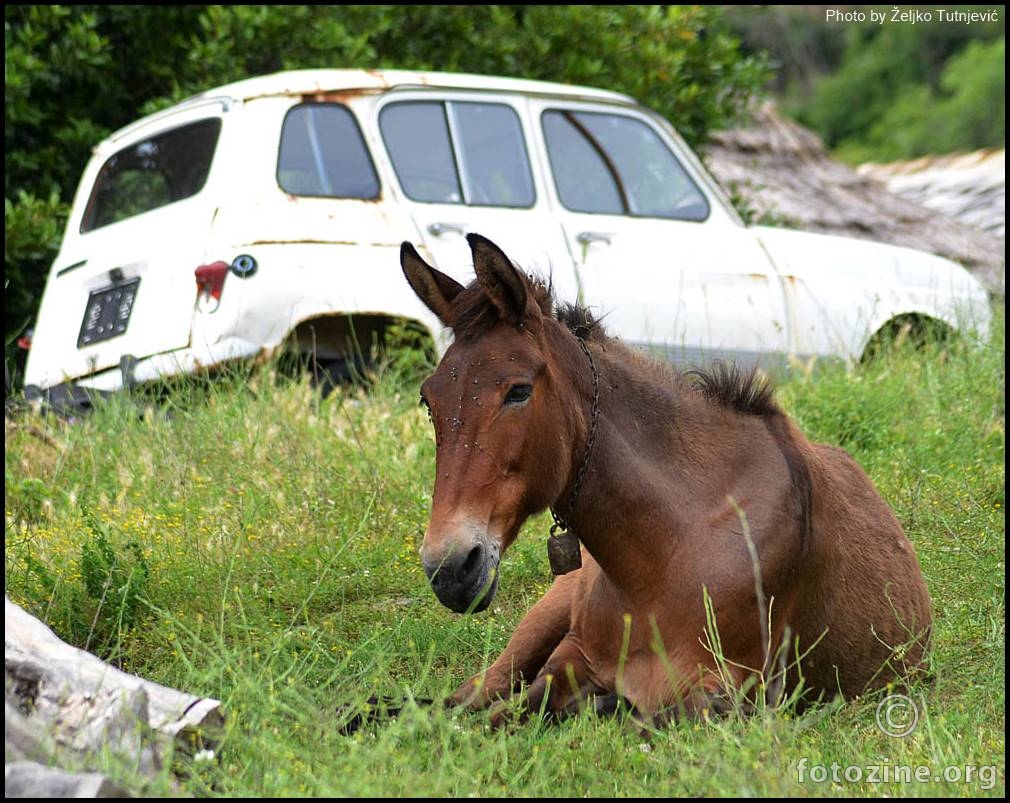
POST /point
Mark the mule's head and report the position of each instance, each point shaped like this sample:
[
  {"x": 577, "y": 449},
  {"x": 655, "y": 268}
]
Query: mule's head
[{"x": 503, "y": 424}]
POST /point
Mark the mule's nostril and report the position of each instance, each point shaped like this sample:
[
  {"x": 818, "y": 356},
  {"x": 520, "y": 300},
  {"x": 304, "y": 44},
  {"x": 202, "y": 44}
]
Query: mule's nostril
[
  {"x": 473, "y": 561},
  {"x": 463, "y": 579}
]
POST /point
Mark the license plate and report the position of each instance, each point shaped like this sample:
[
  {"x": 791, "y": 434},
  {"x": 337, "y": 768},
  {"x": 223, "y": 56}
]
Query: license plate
[{"x": 108, "y": 312}]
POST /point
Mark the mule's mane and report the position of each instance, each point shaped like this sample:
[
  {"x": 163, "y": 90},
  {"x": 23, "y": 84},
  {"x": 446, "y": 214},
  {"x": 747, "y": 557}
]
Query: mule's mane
[
  {"x": 473, "y": 314},
  {"x": 743, "y": 391}
]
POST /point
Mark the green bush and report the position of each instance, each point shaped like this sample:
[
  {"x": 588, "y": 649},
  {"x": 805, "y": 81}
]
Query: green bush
[
  {"x": 902, "y": 91},
  {"x": 116, "y": 583},
  {"x": 967, "y": 113}
]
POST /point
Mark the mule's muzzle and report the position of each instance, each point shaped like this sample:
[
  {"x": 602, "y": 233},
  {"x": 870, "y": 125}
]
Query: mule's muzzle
[{"x": 464, "y": 580}]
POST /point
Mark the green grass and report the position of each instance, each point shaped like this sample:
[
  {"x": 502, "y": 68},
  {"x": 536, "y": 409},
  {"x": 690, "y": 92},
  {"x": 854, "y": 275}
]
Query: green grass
[{"x": 252, "y": 542}]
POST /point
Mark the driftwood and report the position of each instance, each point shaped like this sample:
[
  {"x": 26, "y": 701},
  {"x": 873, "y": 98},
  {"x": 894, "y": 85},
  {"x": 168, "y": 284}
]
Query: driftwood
[
  {"x": 30, "y": 779},
  {"x": 64, "y": 705},
  {"x": 782, "y": 170}
]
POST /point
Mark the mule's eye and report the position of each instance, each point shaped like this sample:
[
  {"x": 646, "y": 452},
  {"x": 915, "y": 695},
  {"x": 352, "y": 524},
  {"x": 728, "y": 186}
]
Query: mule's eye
[{"x": 518, "y": 394}]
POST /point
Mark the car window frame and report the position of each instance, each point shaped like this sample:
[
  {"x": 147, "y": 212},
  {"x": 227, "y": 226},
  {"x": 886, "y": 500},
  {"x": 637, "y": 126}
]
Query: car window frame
[
  {"x": 644, "y": 116},
  {"x": 372, "y": 163},
  {"x": 445, "y": 99},
  {"x": 83, "y": 225}
]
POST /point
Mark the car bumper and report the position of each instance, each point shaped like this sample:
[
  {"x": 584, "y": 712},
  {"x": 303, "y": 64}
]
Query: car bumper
[
  {"x": 171, "y": 363},
  {"x": 73, "y": 398}
]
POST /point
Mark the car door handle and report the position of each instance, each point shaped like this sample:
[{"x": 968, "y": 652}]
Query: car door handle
[
  {"x": 589, "y": 237},
  {"x": 438, "y": 229}
]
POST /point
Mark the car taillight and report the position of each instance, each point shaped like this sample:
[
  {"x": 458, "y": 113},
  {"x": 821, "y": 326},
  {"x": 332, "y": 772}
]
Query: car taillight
[{"x": 210, "y": 279}]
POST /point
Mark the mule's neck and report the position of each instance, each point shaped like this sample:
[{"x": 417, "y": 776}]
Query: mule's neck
[{"x": 641, "y": 485}]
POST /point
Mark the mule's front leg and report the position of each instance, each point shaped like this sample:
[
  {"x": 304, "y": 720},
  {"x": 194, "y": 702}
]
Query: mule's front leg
[
  {"x": 560, "y": 688},
  {"x": 536, "y": 637}
]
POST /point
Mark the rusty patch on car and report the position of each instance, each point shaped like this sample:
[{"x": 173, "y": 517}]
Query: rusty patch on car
[
  {"x": 322, "y": 242},
  {"x": 337, "y": 95},
  {"x": 296, "y": 198}
]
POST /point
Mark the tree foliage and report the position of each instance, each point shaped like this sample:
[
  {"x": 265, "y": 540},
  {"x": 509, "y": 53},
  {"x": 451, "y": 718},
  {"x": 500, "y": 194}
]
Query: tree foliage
[
  {"x": 74, "y": 74},
  {"x": 900, "y": 90},
  {"x": 886, "y": 89},
  {"x": 967, "y": 111}
]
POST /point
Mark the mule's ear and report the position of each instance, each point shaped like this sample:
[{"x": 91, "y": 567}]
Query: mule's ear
[
  {"x": 498, "y": 278},
  {"x": 432, "y": 286}
]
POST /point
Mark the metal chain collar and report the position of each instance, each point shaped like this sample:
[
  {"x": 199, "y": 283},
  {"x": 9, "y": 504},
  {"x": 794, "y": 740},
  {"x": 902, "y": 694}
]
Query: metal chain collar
[{"x": 562, "y": 522}]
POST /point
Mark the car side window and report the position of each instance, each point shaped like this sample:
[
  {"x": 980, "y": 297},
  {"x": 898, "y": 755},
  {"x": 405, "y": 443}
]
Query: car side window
[
  {"x": 420, "y": 147},
  {"x": 459, "y": 153},
  {"x": 158, "y": 171},
  {"x": 323, "y": 154},
  {"x": 616, "y": 164}
]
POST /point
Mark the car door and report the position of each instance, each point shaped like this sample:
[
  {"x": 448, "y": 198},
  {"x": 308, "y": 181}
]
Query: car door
[
  {"x": 462, "y": 164},
  {"x": 656, "y": 256},
  {"x": 123, "y": 283}
]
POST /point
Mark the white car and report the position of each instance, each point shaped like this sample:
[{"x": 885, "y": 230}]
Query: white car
[{"x": 269, "y": 213}]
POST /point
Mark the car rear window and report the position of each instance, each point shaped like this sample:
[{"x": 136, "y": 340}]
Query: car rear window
[
  {"x": 459, "y": 153},
  {"x": 158, "y": 171},
  {"x": 617, "y": 165},
  {"x": 323, "y": 154}
]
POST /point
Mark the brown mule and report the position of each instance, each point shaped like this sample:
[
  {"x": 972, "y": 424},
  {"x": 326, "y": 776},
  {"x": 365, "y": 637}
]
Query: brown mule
[{"x": 720, "y": 546}]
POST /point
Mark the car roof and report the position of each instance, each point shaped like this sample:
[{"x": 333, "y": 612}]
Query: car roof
[
  {"x": 298, "y": 82},
  {"x": 328, "y": 82}
]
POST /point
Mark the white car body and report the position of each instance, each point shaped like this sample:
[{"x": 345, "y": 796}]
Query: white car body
[{"x": 326, "y": 270}]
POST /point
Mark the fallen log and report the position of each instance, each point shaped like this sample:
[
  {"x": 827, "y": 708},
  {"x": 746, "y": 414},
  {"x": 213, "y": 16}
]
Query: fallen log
[
  {"x": 31, "y": 779},
  {"x": 64, "y": 705}
]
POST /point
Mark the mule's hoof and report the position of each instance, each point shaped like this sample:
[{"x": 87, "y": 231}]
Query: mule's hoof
[
  {"x": 507, "y": 712},
  {"x": 467, "y": 696}
]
